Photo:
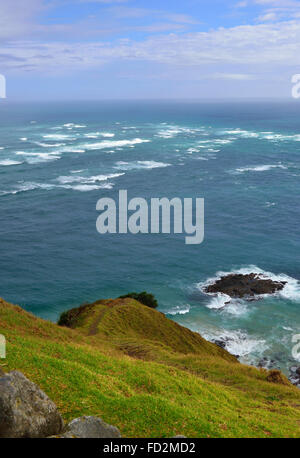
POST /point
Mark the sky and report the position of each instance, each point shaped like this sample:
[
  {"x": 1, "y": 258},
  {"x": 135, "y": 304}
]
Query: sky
[{"x": 138, "y": 49}]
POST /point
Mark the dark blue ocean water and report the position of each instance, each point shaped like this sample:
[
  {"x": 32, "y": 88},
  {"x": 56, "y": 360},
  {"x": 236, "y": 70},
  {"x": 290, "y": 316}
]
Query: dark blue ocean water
[{"x": 58, "y": 159}]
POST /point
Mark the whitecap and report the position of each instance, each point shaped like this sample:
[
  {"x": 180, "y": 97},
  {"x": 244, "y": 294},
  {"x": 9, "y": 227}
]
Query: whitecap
[
  {"x": 87, "y": 180},
  {"x": 140, "y": 165},
  {"x": 8, "y": 162},
  {"x": 49, "y": 145},
  {"x": 39, "y": 157},
  {"x": 114, "y": 143},
  {"x": 241, "y": 133},
  {"x": 171, "y": 131},
  {"x": 75, "y": 126},
  {"x": 280, "y": 137},
  {"x": 107, "y": 134},
  {"x": 58, "y": 137},
  {"x": 260, "y": 168},
  {"x": 88, "y": 187},
  {"x": 99, "y": 134},
  {"x": 25, "y": 187}
]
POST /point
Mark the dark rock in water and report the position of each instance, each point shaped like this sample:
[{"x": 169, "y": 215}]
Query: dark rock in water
[
  {"x": 25, "y": 410},
  {"x": 246, "y": 286},
  {"x": 220, "y": 343},
  {"x": 89, "y": 428},
  {"x": 294, "y": 377},
  {"x": 266, "y": 363}
]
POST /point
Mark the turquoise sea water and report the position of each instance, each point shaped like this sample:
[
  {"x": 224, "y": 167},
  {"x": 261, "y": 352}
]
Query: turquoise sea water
[{"x": 58, "y": 159}]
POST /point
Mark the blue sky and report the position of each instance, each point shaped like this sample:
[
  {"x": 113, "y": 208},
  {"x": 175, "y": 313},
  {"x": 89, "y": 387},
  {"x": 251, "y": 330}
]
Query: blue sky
[{"x": 95, "y": 49}]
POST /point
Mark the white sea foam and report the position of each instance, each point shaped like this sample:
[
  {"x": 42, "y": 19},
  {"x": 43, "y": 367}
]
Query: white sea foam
[
  {"x": 172, "y": 131},
  {"x": 99, "y": 134},
  {"x": 140, "y": 165},
  {"x": 114, "y": 143},
  {"x": 270, "y": 204},
  {"x": 193, "y": 150},
  {"x": 241, "y": 133},
  {"x": 87, "y": 180},
  {"x": 217, "y": 141},
  {"x": 27, "y": 186},
  {"x": 107, "y": 134},
  {"x": 38, "y": 157},
  {"x": 280, "y": 137},
  {"x": 59, "y": 137},
  {"x": 88, "y": 187},
  {"x": 237, "y": 342},
  {"x": 265, "y": 135},
  {"x": 49, "y": 145},
  {"x": 24, "y": 139},
  {"x": 179, "y": 310},
  {"x": 75, "y": 126},
  {"x": 7, "y": 162},
  {"x": 218, "y": 301},
  {"x": 31, "y": 186},
  {"x": 260, "y": 168}
]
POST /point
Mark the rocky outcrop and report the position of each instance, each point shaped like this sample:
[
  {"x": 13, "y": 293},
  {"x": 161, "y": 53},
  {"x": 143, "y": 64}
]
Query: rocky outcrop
[
  {"x": 89, "y": 427},
  {"x": 244, "y": 286},
  {"x": 25, "y": 410}
]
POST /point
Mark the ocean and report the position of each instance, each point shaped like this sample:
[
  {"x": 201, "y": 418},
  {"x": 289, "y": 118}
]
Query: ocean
[{"x": 58, "y": 158}]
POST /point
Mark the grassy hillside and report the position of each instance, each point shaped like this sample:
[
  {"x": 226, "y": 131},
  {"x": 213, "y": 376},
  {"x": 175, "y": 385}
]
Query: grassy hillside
[{"x": 145, "y": 374}]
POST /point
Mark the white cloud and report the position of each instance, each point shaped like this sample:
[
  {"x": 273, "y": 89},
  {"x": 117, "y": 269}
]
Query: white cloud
[
  {"x": 250, "y": 45},
  {"x": 271, "y": 16},
  {"x": 233, "y": 76},
  {"x": 276, "y": 10},
  {"x": 17, "y": 20},
  {"x": 242, "y": 4}
]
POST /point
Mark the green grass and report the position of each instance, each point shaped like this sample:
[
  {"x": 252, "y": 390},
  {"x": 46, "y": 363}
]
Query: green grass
[{"x": 147, "y": 375}]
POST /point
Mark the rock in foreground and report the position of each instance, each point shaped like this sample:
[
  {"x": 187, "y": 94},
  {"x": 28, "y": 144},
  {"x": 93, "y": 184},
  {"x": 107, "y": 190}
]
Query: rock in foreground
[
  {"x": 90, "y": 428},
  {"x": 25, "y": 410},
  {"x": 245, "y": 285}
]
